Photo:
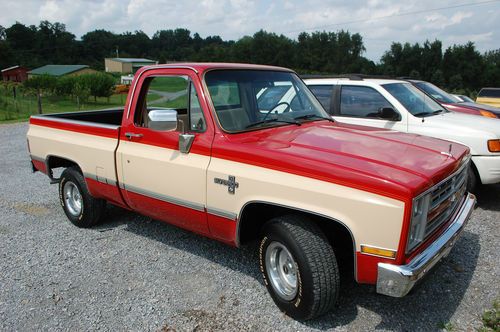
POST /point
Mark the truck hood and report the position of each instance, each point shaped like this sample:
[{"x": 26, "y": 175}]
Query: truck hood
[
  {"x": 471, "y": 108},
  {"x": 465, "y": 124},
  {"x": 377, "y": 160}
]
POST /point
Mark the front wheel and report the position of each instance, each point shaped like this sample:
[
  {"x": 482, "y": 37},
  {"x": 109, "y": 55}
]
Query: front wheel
[
  {"x": 80, "y": 207},
  {"x": 473, "y": 180},
  {"x": 299, "y": 267}
]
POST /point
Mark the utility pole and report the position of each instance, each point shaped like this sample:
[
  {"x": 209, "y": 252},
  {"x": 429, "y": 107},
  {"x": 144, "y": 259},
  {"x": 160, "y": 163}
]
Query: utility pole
[{"x": 117, "y": 52}]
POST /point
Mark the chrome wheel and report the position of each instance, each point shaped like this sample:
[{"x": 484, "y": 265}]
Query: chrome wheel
[
  {"x": 282, "y": 270},
  {"x": 72, "y": 198}
]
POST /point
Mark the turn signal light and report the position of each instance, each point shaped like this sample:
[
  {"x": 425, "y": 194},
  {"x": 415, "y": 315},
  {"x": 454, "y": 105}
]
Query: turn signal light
[
  {"x": 378, "y": 251},
  {"x": 487, "y": 114},
  {"x": 494, "y": 145}
]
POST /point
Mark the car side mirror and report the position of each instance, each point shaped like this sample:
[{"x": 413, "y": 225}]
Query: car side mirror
[
  {"x": 388, "y": 113},
  {"x": 162, "y": 119}
]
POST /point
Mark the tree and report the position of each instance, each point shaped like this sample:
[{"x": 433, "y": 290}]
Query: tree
[
  {"x": 438, "y": 78},
  {"x": 42, "y": 85},
  {"x": 466, "y": 61}
]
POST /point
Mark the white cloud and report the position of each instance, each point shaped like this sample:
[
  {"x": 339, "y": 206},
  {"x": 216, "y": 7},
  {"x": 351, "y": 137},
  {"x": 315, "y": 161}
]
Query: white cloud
[{"x": 379, "y": 21}]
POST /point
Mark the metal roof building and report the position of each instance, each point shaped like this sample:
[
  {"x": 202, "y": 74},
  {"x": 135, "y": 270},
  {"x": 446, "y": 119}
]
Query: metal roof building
[
  {"x": 126, "y": 65},
  {"x": 61, "y": 70}
]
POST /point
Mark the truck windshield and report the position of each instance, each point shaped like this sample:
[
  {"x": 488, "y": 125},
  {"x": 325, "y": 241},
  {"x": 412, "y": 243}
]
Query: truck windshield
[
  {"x": 414, "y": 100},
  {"x": 250, "y": 99},
  {"x": 436, "y": 92}
]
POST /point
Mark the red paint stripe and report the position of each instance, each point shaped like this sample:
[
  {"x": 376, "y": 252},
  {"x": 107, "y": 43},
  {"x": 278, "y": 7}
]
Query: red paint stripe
[
  {"x": 74, "y": 127},
  {"x": 367, "y": 267},
  {"x": 222, "y": 229},
  {"x": 105, "y": 191},
  {"x": 40, "y": 165}
]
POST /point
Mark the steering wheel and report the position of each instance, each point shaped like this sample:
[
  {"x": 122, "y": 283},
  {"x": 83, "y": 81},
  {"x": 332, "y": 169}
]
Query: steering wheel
[{"x": 275, "y": 106}]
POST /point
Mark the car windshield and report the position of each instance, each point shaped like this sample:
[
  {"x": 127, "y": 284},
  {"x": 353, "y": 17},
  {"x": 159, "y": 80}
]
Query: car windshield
[
  {"x": 251, "y": 99},
  {"x": 435, "y": 92},
  {"x": 414, "y": 100}
]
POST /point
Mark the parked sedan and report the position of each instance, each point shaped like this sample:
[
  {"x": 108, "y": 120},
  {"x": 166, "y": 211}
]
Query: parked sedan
[
  {"x": 489, "y": 96},
  {"x": 450, "y": 103}
]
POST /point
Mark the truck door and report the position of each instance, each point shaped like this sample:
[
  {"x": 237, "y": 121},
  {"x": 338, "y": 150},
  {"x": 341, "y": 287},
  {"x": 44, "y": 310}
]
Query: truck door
[{"x": 158, "y": 179}]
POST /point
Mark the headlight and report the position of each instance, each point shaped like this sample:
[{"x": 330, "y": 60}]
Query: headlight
[{"x": 420, "y": 209}]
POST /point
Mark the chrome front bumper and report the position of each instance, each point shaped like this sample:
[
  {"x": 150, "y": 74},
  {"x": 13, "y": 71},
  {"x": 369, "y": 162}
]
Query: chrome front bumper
[{"x": 398, "y": 280}]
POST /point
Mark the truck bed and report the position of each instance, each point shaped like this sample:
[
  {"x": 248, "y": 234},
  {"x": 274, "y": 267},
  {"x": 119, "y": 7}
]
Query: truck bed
[{"x": 112, "y": 117}]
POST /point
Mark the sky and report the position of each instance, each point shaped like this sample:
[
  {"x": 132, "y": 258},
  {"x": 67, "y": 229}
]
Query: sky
[{"x": 380, "y": 22}]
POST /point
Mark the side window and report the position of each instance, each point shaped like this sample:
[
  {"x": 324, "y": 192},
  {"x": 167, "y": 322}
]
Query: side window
[
  {"x": 196, "y": 118},
  {"x": 169, "y": 95},
  {"x": 361, "y": 102},
  {"x": 324, "y": 95}
]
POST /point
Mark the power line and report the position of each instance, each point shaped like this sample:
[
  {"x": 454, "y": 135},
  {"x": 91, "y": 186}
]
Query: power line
[{"x": 393, "y": 15}]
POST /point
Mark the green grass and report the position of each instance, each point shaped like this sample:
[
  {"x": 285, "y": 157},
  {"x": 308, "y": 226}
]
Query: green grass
[
  {"x": 168, "y": 84},
  {"x": 24, "y": 106},
  {"x": 491, "y": 318}
]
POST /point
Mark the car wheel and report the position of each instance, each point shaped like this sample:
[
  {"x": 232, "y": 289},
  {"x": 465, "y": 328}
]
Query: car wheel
[
  {"x": 299, "y": 267},
  {"x": 80, "y": 207}
]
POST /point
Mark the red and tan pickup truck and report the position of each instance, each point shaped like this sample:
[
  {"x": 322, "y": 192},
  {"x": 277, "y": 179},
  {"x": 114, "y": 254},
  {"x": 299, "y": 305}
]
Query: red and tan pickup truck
[{"x": 209, "y": 148}]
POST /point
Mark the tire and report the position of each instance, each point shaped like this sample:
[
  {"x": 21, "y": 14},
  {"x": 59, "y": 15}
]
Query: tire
[
  {"x": 312, "y": 261},
  {"x": 80, "y": 207},
  {"x": 472, "y": 179}
]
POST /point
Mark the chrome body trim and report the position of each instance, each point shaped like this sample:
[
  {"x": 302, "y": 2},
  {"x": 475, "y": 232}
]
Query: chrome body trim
[
  {"x": 148, "y": 68},
  {"x": 165, "y": 198},
  {"x": 101, "y": 180},
  {"x": 238, "y": 221},
  {"x": 464, "y": 163},
  {"x": 77, "y": 122},
  {"x": 398, "y": 280},
  {"x": 222, "y": 213}
]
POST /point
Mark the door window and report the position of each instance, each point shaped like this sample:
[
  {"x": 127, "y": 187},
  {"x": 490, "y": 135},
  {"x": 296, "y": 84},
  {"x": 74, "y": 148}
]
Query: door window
[
  {"x": 324, "y": 94},
  {"x": 361, "y": 102},
  {"x": 169, "y": 95}
]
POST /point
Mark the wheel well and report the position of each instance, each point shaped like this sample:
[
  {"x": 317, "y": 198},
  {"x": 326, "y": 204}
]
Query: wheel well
[
  {"x": 476, "y": 172},
  {"x": 255, "y": 215},
  {"x": 58, "y": 162}
]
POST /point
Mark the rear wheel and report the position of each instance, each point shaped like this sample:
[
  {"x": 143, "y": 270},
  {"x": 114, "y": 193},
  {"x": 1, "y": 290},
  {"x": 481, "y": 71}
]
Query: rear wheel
[
  {"x": 299, "y": 267},
  {"x": 80, "y": 207}
]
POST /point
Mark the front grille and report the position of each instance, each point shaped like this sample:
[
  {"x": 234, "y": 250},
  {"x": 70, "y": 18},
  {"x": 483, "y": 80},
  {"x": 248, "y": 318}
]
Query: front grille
[{"x": 445, "y": 198}]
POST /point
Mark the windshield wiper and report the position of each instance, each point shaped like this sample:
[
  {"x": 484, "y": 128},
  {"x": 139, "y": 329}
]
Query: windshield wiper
[
  {"x": 273, "y": 120},
  {"x": 423, "y": 114},
  {"x": 310, "y": 116},
  {"x": 438, "y": 111}
]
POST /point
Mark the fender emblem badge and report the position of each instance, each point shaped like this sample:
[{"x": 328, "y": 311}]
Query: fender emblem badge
[{"x": 230, "y": 183}]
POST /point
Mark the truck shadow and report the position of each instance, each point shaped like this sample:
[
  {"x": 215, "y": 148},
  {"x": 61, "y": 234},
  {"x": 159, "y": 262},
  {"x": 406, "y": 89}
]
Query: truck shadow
[
  {"x": 428, "y": 307},
  {"x": 488, "y": 197}
]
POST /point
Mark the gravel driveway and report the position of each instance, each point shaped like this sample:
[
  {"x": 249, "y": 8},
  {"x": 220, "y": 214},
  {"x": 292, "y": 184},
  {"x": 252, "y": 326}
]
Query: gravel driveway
[{"x": 133, "y": 273}]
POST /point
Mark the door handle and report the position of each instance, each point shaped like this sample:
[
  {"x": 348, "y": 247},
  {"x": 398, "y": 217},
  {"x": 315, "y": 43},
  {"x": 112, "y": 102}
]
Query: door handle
[{"x": 132, "y": 135}]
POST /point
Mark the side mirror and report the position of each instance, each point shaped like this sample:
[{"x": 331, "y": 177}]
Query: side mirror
[
  {"x": 162, "y": 119},
  {"x": 388, "y": 113}
]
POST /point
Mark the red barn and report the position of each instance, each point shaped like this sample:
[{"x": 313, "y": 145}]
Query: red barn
[{"x": 15, "y": 74}]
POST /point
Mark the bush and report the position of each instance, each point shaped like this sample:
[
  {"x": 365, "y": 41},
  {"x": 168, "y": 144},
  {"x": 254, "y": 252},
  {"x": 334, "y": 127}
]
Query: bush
[
  {"x": 99, "y": 84},
  {"x": 46, "y": 84},
  {"x": 65, "y": 85}
]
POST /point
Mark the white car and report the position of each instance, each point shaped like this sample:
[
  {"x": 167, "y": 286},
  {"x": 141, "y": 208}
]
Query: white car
[{"x": 397, "y": 105}]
